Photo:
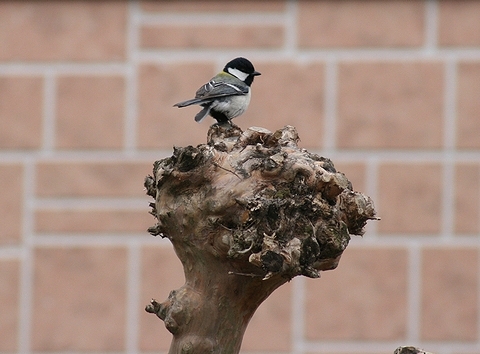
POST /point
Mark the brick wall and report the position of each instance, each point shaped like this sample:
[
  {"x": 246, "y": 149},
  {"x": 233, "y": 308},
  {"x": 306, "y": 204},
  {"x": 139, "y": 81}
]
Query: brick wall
[{"x": 390, "y": 90}]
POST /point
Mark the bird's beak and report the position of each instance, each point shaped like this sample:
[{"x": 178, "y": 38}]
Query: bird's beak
[{"x": 256, "y": 73}]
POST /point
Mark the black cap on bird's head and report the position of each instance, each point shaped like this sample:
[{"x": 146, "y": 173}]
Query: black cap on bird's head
[{"x": 242, "y": 68}]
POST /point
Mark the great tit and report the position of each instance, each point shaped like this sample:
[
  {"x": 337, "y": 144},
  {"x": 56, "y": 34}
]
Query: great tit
[{"x": 227, "y": 95}]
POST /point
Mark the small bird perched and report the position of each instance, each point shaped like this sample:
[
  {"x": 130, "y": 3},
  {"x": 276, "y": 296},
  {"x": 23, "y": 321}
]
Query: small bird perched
[{"x": 227, "y": 95}]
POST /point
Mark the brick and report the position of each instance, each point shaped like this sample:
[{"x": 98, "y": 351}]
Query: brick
[
  {"x": 195, "y": 36},
  {"x": 360, "y": 23},
  {"x": 91, "y": 179},
  {"x": 210, "y": 6},
  {"x": 80, "y": 299},
  {"x": 355, "y": 172},
  {"x": 160, "y": 125},
  {"x": 468, "y": 105},
  {"x": 467, "y": 199},
  {"x": 21, "y": 100},
  {"x": 74, "y": 30},
  {"x": 90, "y": 112},
  {"x": 458, "y": 23},
  {"x": 410, "y": 197},
  {"x": 365, "y": 298},
  {"x": 161, "y": 272},
  {"x": 302, "y": 86},
  {"x": 93, "y": 221},
  {"x": 11, "y": 203},
  {"x": 390, "y": 105},
  {"x": 9, "y": 304},
  {"x": 270, "y": 327},
  {"x": 449, "y": 294}
]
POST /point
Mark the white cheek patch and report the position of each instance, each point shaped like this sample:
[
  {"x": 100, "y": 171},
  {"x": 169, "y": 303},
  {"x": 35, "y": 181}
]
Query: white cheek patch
[{"x": 237, "y": 73}]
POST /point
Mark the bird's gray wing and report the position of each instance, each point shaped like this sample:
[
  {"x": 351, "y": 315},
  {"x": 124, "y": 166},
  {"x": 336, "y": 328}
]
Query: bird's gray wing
[{"x": 214, "y": 89}]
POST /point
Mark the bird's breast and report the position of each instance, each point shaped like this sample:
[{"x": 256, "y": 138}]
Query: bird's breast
[{"x": 232, "y": 106}]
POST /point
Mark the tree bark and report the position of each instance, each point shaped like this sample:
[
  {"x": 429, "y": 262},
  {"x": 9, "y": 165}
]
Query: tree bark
[{"x": 246, "y": 212}]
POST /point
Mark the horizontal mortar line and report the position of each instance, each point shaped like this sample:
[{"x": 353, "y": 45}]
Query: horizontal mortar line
[
  {"x": 149, "y": 156},
  {"x": 413, "y": 241},
  {"x": 110, "y": 156},
  {"x": 99, "y": 239},
  {"x": 145, "y": 239},
  {"x": 93, "y": 204},
  {"x": 142, "y": 239},
  {"x": 415, "y": 156},
  {"x": 87, "y": 156},
  {"x": 174, "y": 55},
  {"x": 392, "y": 54},
  {"x": 214, "y": 19},
  {"x": 11, "y": 252},
  {"x": 63, "y": 68},
  {"x": 273, "y": 54},
  {"x": 306, "y": 55},
  {"x": 17, "y": 157}
]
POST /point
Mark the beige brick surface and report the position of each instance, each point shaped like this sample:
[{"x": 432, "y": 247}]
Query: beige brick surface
[
  {"x": 90, "y": 112},
  {"x": 449, "y": 294},
  {"x": 9, "y": 304},
  {"x": 360, "y": 23},
  {"x": 212, "y": 36},
  {"x": 80, "y": 299},
  {"x": 365, "y": 298},
  {"x": 55, "y": 30},
  {"x": 390, "y": 105},
  {"x": 288, "y": 94},
  {"x": 467, "y": 199},
  {"x": 410, "y": 198},
  {"x": 21, "y": 100},
  {"x": 213, "y": 6},
  {"x": 458, "y": 23},
  {"x": 389, "y": 90},
  {"x": 89, "y": 179},
  {"x": 78, "y": 221},
  {"x": 160, "y": 87},
  {"x": 468, "y": 105},
  {"x": 270, "y": 328},
  {"x": 11, "y": 204}
]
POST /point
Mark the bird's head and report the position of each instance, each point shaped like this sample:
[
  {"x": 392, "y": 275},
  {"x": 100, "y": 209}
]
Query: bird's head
[{"x": 242, "y": 69}]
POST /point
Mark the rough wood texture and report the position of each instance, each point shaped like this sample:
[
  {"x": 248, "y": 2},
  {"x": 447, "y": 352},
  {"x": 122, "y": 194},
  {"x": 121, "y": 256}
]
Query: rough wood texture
[
  {"x": 410, "y": 350},
  {"x": 246, "y": 212}
]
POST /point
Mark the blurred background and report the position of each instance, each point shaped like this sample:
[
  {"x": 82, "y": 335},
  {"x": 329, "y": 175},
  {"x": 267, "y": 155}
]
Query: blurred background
[{"x": 389, "y": 90}]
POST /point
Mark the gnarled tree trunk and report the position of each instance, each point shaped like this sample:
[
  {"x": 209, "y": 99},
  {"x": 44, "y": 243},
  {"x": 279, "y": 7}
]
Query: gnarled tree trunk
[{"x": 246, "y": 212}]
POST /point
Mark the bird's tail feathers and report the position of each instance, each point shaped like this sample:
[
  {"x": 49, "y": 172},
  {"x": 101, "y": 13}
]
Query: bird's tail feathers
[
  {"x": 202, "y": 114},
  {"x": 188, "y": 102}
]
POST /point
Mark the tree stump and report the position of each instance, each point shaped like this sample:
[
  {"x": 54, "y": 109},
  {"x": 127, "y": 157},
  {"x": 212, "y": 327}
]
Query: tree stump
[
  {"x": 410, "y": 350},
  {"x": 246, "y": 212}
]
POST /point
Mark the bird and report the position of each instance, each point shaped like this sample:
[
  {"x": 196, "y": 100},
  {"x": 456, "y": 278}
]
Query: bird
[{"x": 227, "y": 94}]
